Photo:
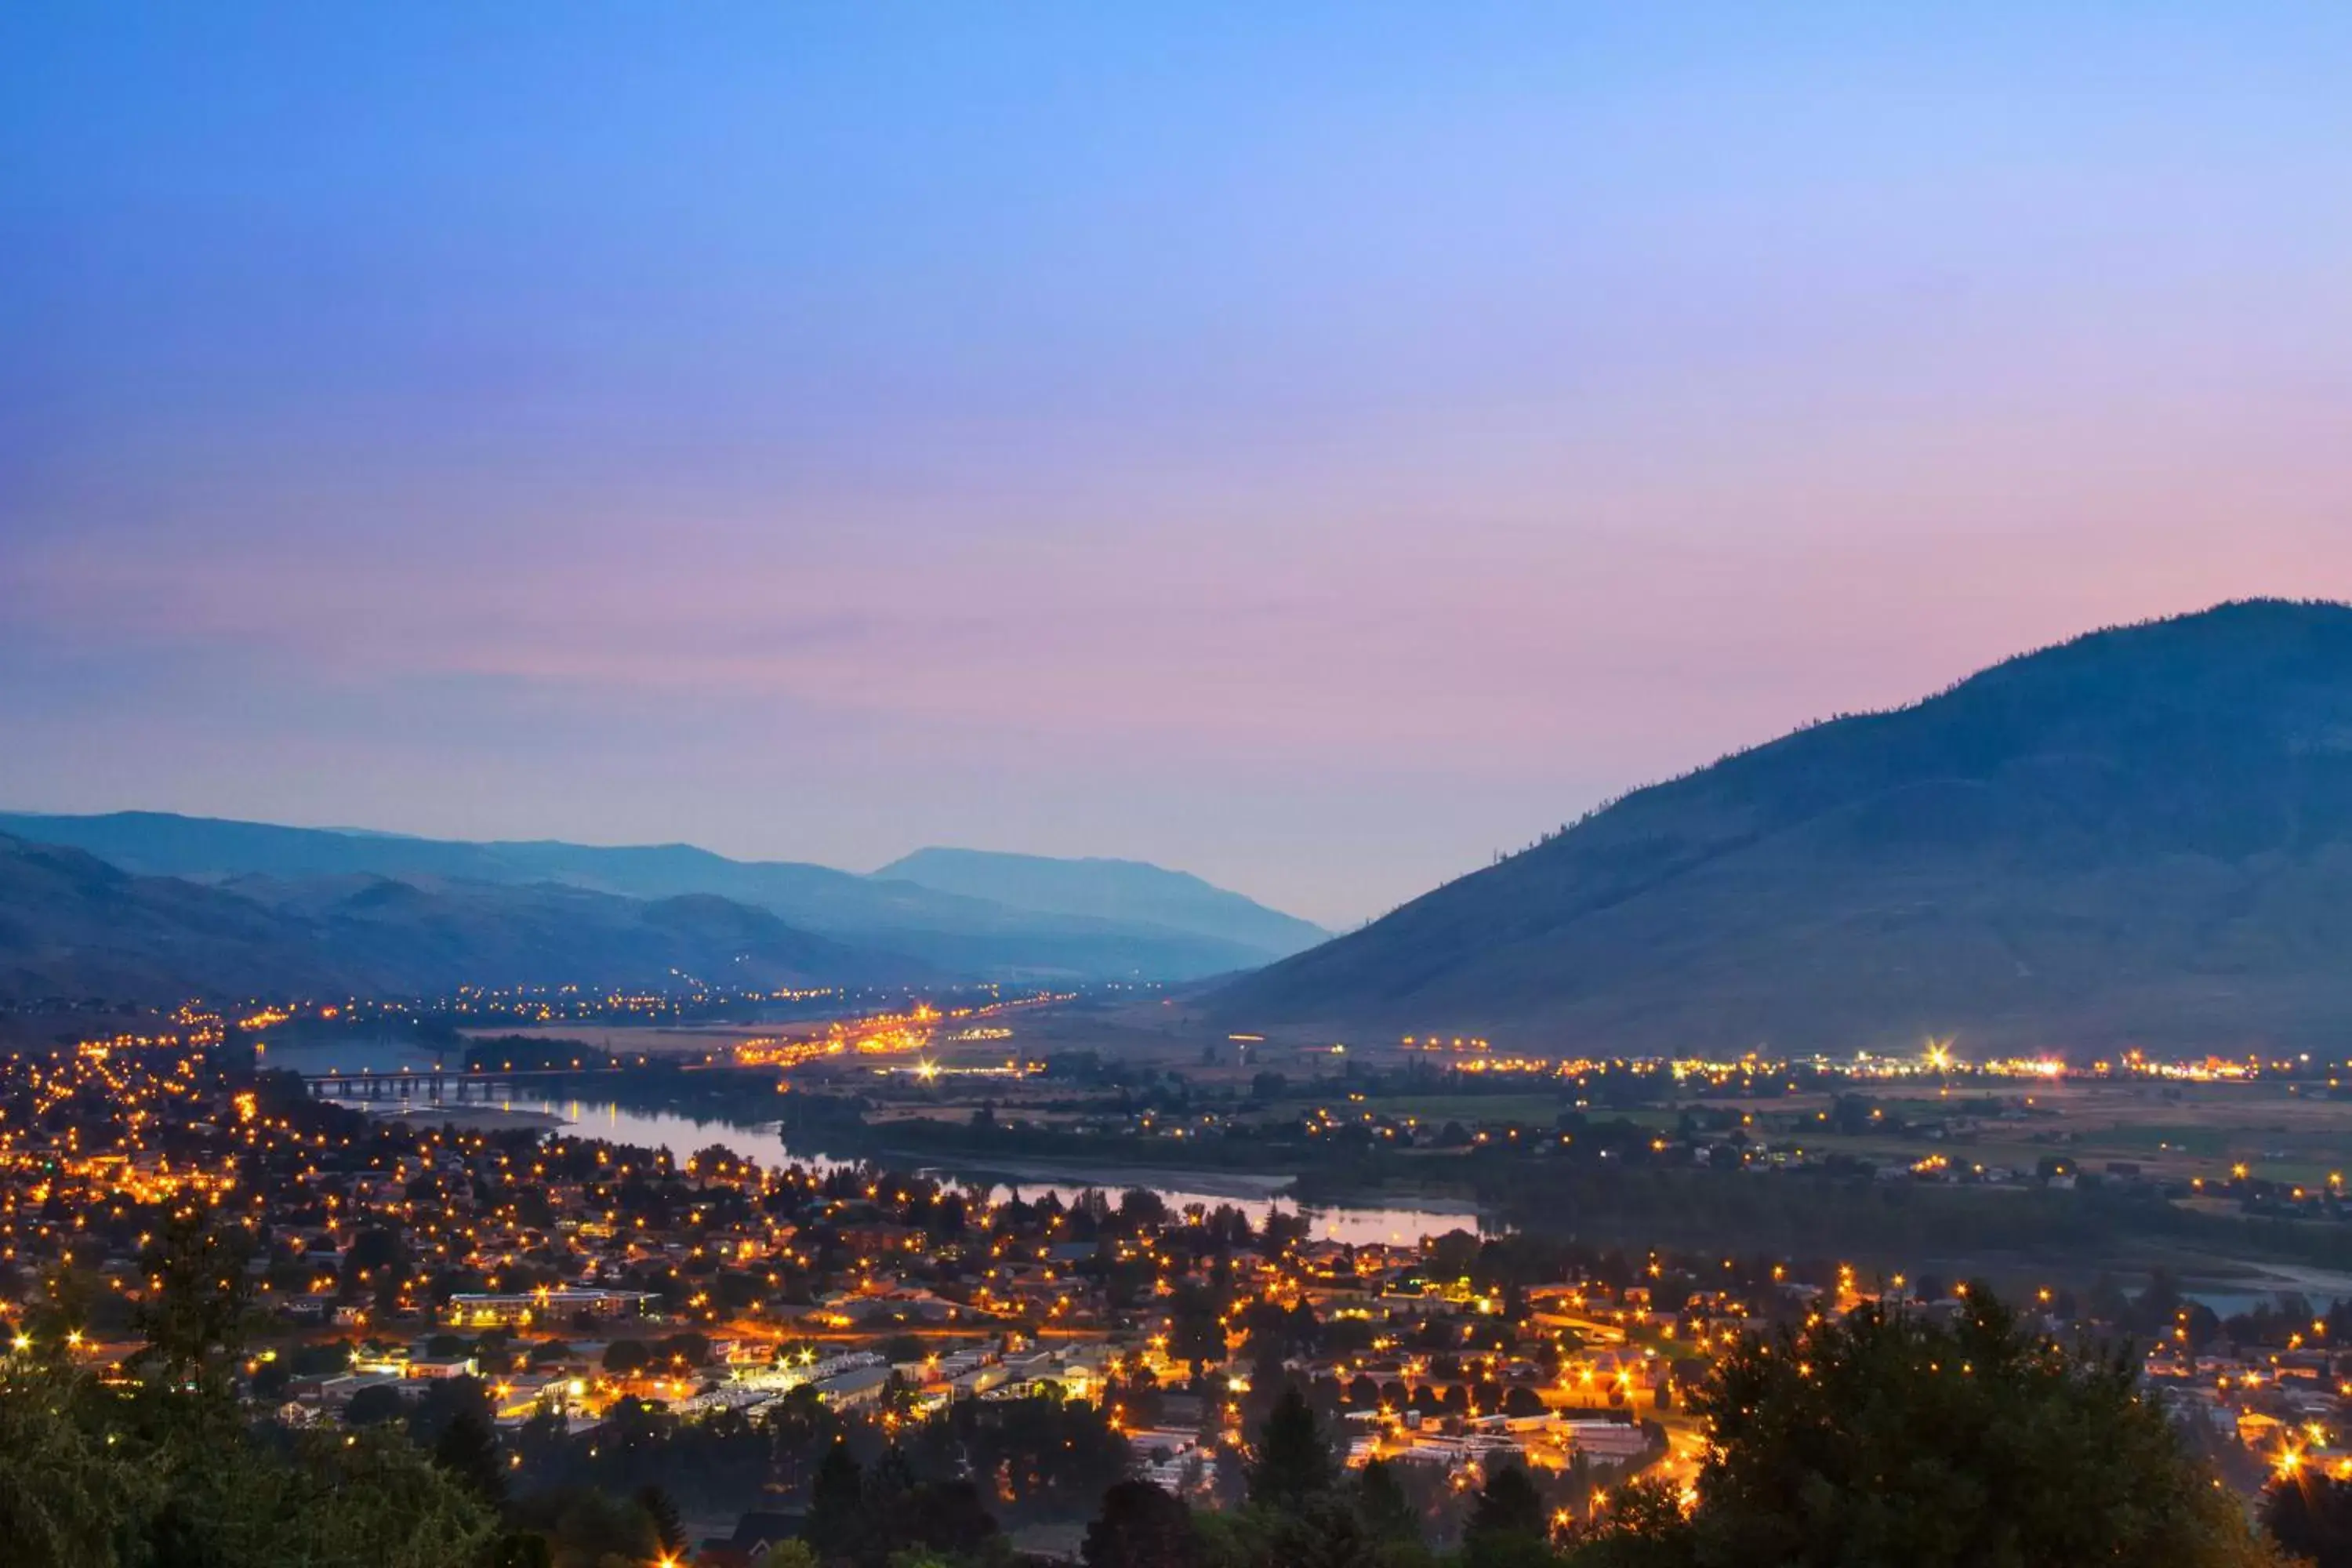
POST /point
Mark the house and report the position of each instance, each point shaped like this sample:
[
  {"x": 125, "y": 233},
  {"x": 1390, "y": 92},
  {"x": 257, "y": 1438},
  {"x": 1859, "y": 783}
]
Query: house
[
  {"x": 484, "y": 1311},
  {"x": 443, "y": 1367},
  {"x": 848, "y": 1390},
  {"x": 756, "y": 1536}
]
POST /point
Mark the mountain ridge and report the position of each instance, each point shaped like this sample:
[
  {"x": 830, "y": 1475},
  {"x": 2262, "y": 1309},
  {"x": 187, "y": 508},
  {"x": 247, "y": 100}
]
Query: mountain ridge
[
  {"x": 953, "y": 933},
  {"x": 72, "y": 925},
  {"x": 2141, "y": 832},
  {"x": 1104, "y": 888}
]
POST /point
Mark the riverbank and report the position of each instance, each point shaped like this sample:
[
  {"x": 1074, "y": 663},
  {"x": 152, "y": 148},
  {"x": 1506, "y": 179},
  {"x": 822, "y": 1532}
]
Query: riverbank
[{"x": 465, "y": 1118}]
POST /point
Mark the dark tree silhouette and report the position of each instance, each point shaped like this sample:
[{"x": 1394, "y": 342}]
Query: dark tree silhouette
[
  {"x": 1890, "y": 1437},
  {"x": 1142, "y": 1527},
  {"x": 1293, "y": 1462},
  {"x": 946, "y": 1517},
  {"x": 1508, "y": 1504},
  {"x": 669, "y": 1528},
  {"x": 194, "y": 1314},
  {"x": 374, "y": 1404},
  {"x": 1324, "y": 1533},
  {"x": 1388, "y": 1514},
  {"x": 2310, "y": 1516},
  {"x": 521, "y": 1549},
  {"x": 467, "y": 1450},
  {"x": 837, "y": 1516}
]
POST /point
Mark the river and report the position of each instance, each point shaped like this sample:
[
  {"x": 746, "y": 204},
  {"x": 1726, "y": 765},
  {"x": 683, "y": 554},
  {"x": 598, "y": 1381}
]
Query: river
[{"x": 1401, "y": 1224}]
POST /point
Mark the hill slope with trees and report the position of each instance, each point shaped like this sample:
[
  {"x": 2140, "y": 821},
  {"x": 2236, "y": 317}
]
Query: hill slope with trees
[{"x": 2140, "y": 837}]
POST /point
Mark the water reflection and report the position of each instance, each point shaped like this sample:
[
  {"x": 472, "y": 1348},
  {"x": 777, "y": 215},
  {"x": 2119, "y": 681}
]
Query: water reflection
[
  {"x": 681, "y": 1135},
  {"x": 1397, "y": 1226},
  {"x": 1400, "y": 1226}
]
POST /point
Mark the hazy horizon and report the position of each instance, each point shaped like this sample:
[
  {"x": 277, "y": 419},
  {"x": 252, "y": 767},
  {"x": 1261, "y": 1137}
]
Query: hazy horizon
[{"x": 1312, "y": 450}]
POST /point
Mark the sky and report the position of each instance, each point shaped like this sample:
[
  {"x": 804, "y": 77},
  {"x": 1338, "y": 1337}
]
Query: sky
[{"x": 1317, "y": 447}]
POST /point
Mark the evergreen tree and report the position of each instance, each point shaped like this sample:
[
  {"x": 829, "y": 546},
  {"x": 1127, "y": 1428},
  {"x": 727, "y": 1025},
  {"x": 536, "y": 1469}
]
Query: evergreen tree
[
  {"x": 1507, "y": 1527},
  {"x": 1141, "y": 1526},
  {"x": 1323, "y": 1533},
  {"x": 668, "y": 1529},
  {"x": 1291, "y": 1461},
  {"x": 1507, "y": 1504},
  {"x": 945, "y": 1517},
  {"x": 1388, "y": 1514},
  {"x": 837, "y": 1516},
  {"x": 468, "y": 1451}
]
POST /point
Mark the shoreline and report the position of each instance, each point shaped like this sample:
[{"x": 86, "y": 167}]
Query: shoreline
[
  {"x": 466, "y": 1118},
  {"x": 1241, "y": 1186},
  {"x": 1238, "y": 1187}
]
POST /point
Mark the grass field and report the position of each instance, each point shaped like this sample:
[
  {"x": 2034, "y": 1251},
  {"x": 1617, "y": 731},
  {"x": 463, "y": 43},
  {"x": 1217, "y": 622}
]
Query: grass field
[{"x": 2275, "y": 1130}]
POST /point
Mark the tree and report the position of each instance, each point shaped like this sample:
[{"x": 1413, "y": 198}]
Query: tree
[
  {"x": 945, "y": 1517},
  {"x": 1643, "y": 1529},
  {"x": 1323, "y": 1533},
  {"x": 91, "y": 1479},
  {"x": 1520, "y": 1400},
  {"x": 1388, "y": 1514},
  {"x": 527, "y": 1548},
  {"x": 376, "y": 1502},
  {"x": 2105, "y": 1302},
  {"x": 1141, "y": 1526},
  {"x": 65, "y": 1491},
  {"x": 468, "y": 1453},
  {"x": 1198, "y": 1334},
  {"x": 1507, "y": 1504},
  {"x": 2310, "y": 1516},
  {"x": 668, "y": 1529},
  {"x": 446, "y": 1399},
  {"x": 584, "y": 1526},
  {"x": 837, "y": 1516},
  {"x": 374, "y": 1404},
  {"x": 1291, "y": 1461},
  {"x": 194, "y": 1312},
  {"x": 1887, "y": 1437},
  {"x": 1036, "y": 1457}
]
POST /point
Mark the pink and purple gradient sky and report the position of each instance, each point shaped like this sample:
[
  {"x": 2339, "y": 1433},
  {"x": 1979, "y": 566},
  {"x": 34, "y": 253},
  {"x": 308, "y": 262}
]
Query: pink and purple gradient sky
[{"x": 1312, "y": 445}]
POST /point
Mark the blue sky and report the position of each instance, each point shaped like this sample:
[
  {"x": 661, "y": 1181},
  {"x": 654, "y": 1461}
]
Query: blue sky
[{"x": 1313, "y": 446}]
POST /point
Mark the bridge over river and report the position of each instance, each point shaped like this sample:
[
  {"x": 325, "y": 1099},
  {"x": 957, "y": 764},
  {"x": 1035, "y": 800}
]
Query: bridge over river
[{"x": 448, "y": 1085}]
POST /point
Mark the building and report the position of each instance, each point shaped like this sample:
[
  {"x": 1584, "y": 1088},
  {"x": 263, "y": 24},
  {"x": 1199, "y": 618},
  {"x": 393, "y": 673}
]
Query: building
[{"x": 506, "y": 1312}]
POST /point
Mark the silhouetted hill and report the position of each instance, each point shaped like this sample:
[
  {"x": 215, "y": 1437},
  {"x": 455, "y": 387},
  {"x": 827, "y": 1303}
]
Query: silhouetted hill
[
  {"x": 73, "y": 926},
  {"x": 1130, "y": 891},
  {"x": 2143, "y": 834},
  {"x": 956, "y": 934}
]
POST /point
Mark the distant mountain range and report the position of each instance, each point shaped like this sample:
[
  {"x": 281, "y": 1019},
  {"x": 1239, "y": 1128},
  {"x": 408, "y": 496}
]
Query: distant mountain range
[
  {"x": 73, "y": 926},
  {"x": 381, "y": 912},
  {"x": 2140, "y": 837},
  {"x": 1123, "y": 891}
]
